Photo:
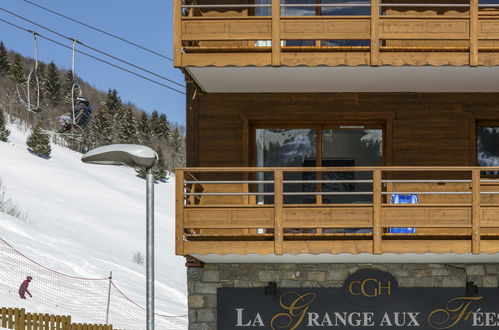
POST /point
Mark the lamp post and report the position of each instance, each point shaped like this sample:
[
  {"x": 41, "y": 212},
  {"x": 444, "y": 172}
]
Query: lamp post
[{"x": 136, "y": 156}]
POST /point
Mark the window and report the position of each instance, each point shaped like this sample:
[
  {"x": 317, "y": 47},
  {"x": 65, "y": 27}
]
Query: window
[
  {"x": 320, "y": 146},
  {"x": 487, "y": 146}
]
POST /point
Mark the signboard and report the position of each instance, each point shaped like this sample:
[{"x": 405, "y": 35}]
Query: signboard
[{"x": 369, "y": 299}]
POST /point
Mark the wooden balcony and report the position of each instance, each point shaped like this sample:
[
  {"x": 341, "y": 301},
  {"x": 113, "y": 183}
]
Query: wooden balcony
[
  {"x": 269, "y": 211},
  {"x": 394, "y": 33}
]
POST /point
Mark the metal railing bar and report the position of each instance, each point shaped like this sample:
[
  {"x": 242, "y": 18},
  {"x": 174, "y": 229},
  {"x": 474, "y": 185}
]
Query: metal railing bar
[
  {"x": 489, "y": 180},
  {"x": 489, "y": 192},
  {"x": 427, "y": 193},
  {"x": 231, "y": 194},
  {"x": 426, "y": 181},
  {"x": 229, "y": 6},
  {"x": 491, "y": 5},
  {"x": 326, "y": 193},
  {"x": 229, "y": 182},
  {"x": 294, "y": 5},
  {"x": 327, "y": 181},
  {"x": 423, "y": 5}
]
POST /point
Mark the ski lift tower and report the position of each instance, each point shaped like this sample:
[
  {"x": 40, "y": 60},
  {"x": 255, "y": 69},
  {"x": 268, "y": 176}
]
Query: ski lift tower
[{"x": 136, "y": 156}]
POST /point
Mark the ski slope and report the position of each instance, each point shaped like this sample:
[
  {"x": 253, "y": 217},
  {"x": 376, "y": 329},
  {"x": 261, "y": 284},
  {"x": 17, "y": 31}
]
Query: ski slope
[{"x": 87, "y": 220}]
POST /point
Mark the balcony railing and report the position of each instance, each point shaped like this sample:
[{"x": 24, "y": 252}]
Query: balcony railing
[
  {"x": 215, "y": 33},
  {"x": 337, "y": 210}
]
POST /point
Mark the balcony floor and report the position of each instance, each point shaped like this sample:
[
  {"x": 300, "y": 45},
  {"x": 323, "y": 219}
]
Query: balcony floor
[
  {"x": 323, "y": 79},
  {"x": 362, "y": 258}
]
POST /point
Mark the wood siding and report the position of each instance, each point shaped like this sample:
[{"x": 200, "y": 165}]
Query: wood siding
[{"x": 426, "y": 129}]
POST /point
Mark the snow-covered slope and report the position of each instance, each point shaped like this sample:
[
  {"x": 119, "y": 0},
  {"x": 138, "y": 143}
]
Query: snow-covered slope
[{"x": 87, "y": 220}]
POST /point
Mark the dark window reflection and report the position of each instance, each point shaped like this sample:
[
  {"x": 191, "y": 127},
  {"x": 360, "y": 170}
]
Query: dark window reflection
[{"x": 488, "y": 147}]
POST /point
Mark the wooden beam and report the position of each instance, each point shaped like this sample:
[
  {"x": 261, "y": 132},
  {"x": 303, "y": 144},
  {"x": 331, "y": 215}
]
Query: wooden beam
[
  {"x": 177, "y": 33},
  {"x": 179, "y": 212},
  {"x": 278, "y": 212},
  {"x": 276, "y": 32},
  {"x": 477, "y": 213},
  {"x": 377, "y": 199},
  {"x": 473, "y": 32},
  {"x": 374, "y": 32}
]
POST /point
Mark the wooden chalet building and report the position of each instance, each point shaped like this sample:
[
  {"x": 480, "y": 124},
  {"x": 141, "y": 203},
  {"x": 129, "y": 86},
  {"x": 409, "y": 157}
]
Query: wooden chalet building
[{"x": 330, "y": 136}]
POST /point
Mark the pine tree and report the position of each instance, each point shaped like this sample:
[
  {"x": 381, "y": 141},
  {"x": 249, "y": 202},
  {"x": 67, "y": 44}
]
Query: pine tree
[
  {"x": 39, "y": 142},
  {"x": 128, "y": 128},
  {"x": 154, "y": 124},
  {"x": 113, "y": 105},
  {"x": 52, "y": 85},
  {"x": 144, "y": 129},
  {"x": 164, "y": 130},
  {"x": 69, "y": 88},
  {"x": 17, "y": 73},
  {"x": 4, "y": 61},
  {"x": 100, "y": 129},
  {"x": 4, "y": 132}
]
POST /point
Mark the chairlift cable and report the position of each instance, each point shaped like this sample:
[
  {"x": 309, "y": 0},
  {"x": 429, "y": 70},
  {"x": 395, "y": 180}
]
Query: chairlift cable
[
  {"x": 96, "y": 58},
  {"x": 100, "y": 30},
  {"x": 92, "y": 48}
]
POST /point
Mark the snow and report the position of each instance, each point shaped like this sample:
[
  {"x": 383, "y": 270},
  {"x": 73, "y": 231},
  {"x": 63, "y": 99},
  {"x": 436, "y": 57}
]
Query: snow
[{"x": 85, "y": 221}]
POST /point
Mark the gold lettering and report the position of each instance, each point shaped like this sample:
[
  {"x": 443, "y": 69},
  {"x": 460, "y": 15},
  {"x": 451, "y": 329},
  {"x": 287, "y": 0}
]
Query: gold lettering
[
  {"x": 295, "y": 311},
  {"x": 388, "y": 286},
  {"x": 350, "y": 288},
  {"x": 455, "y": 311},
  {"x": 363, "y": 288}
]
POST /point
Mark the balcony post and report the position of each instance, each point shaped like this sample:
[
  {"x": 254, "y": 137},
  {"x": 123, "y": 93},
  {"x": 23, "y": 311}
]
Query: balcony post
[
  {"x": 374, "y": 32},
  {"x": 278, "y": 205},
  {"x": 177, "y": 33},
  {"x": 276, "y": 32},
  {"x": 377, "y": 228},
  {"x": 179, "y": 211},
  {"x": 473, "y": 32},
  {"x": 476, "y": 212}
]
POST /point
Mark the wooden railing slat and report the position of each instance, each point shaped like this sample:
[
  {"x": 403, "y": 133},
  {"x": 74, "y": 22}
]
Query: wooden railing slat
[
  {"x": 278, "y": 212},
  {"x": 377, "y": 199},
  {"x": 476, "y": 211}
]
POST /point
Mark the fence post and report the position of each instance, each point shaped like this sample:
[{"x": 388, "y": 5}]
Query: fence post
[
  {"x": 476, "y": 212},
  {"x": 278, "y": 204},
  {"x": 19, "y": 320},
  {"x": 377, "y": 228},
  {"x": 109, "y": 297}
]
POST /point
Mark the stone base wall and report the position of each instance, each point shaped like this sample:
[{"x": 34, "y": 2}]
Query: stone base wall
[{"x": 204, "y": 281}]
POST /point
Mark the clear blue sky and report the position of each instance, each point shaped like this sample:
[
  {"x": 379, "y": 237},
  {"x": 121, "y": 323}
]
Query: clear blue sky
[{"x": 148, "y": 23}]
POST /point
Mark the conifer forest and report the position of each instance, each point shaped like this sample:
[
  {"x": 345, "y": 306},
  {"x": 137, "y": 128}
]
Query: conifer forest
[{"x": 36, "y": 97}]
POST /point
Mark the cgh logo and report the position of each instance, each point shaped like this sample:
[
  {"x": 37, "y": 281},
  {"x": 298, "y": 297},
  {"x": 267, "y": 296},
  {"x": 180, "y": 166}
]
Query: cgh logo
[{"x": 370, "y": 287}]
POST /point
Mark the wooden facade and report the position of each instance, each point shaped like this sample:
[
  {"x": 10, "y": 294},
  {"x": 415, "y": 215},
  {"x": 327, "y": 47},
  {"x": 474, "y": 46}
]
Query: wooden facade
[{"x": 227, "y": 203}]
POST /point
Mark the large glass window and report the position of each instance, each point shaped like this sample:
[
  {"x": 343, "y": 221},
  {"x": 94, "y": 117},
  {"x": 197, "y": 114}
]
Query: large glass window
[
  {"x": 488, "y": 146},
  {"x": 287, "y": 148},
  {"x": 339, "y": 147},
  {"x": 349, "y": 148}
]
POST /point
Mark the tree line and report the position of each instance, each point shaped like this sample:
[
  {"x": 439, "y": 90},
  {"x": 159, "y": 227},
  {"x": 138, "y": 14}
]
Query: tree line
[{"x": 112, "y": 121}]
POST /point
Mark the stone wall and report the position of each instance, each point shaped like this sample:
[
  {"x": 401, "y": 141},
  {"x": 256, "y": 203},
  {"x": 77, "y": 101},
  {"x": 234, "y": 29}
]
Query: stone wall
[{"x": 204, "y": 281}]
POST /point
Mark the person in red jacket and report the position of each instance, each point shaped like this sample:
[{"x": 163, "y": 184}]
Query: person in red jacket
[{"x": 23, "y": 289}]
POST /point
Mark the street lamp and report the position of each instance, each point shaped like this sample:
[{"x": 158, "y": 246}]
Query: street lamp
[{"x": 143, "y": 157}]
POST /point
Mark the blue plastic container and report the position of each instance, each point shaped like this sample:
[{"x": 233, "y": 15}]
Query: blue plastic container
[{"x": 403, "y": 199}]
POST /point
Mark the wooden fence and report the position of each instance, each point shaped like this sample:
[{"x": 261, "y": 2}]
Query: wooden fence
[{"x": 18, "y": 319}]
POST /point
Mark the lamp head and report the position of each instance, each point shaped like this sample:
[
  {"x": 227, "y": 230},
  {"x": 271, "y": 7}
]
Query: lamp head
[{"x": 132, "y": 155}]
